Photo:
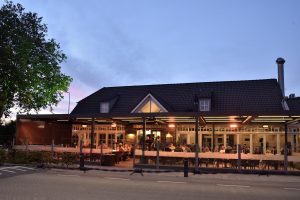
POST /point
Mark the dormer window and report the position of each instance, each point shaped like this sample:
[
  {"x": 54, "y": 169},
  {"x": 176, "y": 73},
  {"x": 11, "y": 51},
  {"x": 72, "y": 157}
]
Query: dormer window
[
  {"x": 104, "y": 107},
  {"x": 204, "y": 104}
]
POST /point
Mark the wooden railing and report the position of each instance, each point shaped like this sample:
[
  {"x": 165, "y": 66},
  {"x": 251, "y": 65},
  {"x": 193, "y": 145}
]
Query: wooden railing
[
  {"x": 293, "y": 158},
  {"x": 59, "y": 149}
]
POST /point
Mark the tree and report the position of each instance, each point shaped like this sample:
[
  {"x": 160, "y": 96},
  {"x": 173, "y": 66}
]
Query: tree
[
  {"x": 30, "y": 76},
  {"x": 7, "y": 133}
]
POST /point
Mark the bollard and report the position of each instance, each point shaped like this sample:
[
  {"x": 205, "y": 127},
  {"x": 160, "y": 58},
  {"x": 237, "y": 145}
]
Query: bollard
[
  {"x": 81, "y": 157},
  {"x": 186, "y": 167},
  {"x": 81, "y": 161},
  {"x": 101, "y": 152}
]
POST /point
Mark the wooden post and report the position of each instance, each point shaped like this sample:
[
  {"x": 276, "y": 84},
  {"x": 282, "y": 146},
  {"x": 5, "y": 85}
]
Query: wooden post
[
  {"x": 251, "y": 143},
  {"x": 143, "y": 141},
  {"x": 239, "y": 157},
  {"x": 285, "y": 148},
  {"x": 26, "y": 143},
  {"x": 157, "y": 154},
  {"x": 278, "y": 143},
  {"x": 13, "y": 143},
  {"x": 213, "y": 138},
  {"x": 297, "y": 143},
  {"x": 81, "y": 156},
  {"x": 92, "y": 138},
  {"x": 52, "y": 148},
  {"x": 200, "y": 140},
  {"x": 264, "y": 143},
  {"x": 292, "y": 143},
  {"x": 196, "y": 145},
  {"x": 133, "y": 155},
  {"x": 238, "y": 140},
  {"x": 101, "y": 152}
]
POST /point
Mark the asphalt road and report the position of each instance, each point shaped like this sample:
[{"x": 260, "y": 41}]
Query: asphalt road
[{"x": 73, "y": 184}]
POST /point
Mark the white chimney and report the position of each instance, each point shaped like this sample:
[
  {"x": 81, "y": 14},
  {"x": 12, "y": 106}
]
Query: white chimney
[{"x": 280, "y": 62}]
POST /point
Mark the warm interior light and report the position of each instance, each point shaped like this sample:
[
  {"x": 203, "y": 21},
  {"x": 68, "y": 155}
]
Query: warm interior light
[
  {"x": 169, "y": 135},
  {"x": 84, "y": 126},
  {"x": 233, "y": 126},
  {"x": 265, "y": 126},
  {"x": 130, "y": 135},
  {"x": 113, "y": 125},
  {"x": 171, "y": 125}
]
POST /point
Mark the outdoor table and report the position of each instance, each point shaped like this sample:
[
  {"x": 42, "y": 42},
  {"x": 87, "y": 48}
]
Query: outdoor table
[{"x": 108, "y": 160}]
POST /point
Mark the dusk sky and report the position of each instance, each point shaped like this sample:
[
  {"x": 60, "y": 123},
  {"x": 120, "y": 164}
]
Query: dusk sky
[{"x": 115, "y": 43}]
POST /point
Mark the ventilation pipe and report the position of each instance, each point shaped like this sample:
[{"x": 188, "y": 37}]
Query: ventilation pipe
[{"x": 280, "y": 62}]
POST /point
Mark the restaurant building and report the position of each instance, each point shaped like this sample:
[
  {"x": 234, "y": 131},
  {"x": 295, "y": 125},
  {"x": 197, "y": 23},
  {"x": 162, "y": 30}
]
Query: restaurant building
[{"x": 202, "y": 116}]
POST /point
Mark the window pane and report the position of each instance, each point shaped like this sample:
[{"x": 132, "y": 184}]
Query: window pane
[
  {"x": 204, "y": 104},
  {"x": 104, "y": 107}
]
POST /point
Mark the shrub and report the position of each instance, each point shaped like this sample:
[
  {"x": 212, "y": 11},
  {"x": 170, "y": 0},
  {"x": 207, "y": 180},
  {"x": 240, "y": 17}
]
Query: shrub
[
  {"x": 35, "y": 157},
  {"x": 297, "y": 165},
  {"x": 17, "y": 157},
  {"x": 3, "y": 156},
  {"x": 68, "y": 158},
  {"x": 47, "y": 158}
]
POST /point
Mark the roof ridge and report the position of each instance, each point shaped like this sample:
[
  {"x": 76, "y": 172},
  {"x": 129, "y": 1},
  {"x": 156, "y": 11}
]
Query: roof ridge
[{"x": 189, "y": 83}]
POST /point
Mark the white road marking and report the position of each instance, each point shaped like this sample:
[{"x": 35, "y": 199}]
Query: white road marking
[
  {"x": 242, "y": 186},
  {"x": 22, "y": 170},
  {"x": 6, "y": 170},
  {"x": 68, "y": 175},
  {"x": 113, "y": 178},
  {"x": 292, "y": 189},
  {"x": 176, "y": 182},
  {"x": 30, "y": 168}
]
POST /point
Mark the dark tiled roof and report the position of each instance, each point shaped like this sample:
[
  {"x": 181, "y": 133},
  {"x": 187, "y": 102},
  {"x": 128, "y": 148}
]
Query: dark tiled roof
[
  {"x": 294, "y": 105},
  {"x": 228, "y": 97}
]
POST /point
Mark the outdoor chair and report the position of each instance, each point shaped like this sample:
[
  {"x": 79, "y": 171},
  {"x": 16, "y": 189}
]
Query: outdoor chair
[
  {"x": 226, "y": 162},
  {"x": 204, "y": 161},
  {"x": 233, "y": 163},
  {"x": 253, "y": 164},
  {"x": 271, "y": 164},
  {"x": 244, "y": 164},
  {"x": 291, "y": 165},
  {"x": 178, "y": 149}
]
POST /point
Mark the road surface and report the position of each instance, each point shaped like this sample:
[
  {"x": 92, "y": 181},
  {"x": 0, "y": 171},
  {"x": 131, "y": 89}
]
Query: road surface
[{"x": 93, "y": 184}]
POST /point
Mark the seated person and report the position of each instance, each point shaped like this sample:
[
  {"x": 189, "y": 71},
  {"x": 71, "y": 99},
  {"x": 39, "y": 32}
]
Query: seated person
[
  {"x": 178, "y": 149},
  {"x": 122, "y": 148},
  {"x": 206, "y": 149},
  {"x": 171, "y": 147},
  {"x": 187, "y": 149},
  {"x": 228, "y": 149},
  {"x": 222, "y": 149},
  {"x": 274, "y": 151}
]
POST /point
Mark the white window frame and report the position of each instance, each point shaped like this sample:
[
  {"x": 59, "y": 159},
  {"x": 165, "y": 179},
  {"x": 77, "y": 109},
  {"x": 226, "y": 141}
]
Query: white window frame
[
  {"x": 104, "y": 107},
  {"x": 204, "y": 104},
  {"x": 145, "y": 100}
]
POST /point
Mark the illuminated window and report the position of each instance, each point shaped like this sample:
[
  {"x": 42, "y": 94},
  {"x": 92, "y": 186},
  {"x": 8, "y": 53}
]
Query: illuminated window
[
  {"x": 104, "y": 107},
  {"x": 149, "y": 105},
  {"x": 204, "y": 104}
]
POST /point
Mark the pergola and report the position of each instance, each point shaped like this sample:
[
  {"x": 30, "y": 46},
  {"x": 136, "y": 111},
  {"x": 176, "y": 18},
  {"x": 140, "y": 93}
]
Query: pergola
[{"x": 197, "y": 118}]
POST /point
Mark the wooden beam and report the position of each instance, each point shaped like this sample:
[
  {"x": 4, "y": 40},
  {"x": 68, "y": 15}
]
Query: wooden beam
[
  {"x": 248, "y": 119},
  {"x": 202, "y": 121},
  {"x": 296, "y": 120}
]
